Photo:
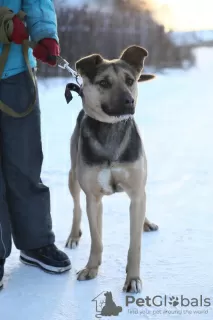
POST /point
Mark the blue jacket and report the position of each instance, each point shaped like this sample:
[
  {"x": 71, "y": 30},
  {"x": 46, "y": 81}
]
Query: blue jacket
[{"x": 41, "y": 23}]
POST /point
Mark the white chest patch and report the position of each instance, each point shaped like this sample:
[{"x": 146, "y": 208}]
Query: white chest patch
[{"x": 104, "y": 178}]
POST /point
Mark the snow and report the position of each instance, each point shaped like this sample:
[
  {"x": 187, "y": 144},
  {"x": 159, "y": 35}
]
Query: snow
[
  {"x": 181, "y": 38},
  {"x": 174, "y": 114}
]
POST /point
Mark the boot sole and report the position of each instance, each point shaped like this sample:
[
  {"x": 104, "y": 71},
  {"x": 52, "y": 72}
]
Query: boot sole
[
  {"x": 36, "y": 263},
  {"x": 1, "y": 285}
]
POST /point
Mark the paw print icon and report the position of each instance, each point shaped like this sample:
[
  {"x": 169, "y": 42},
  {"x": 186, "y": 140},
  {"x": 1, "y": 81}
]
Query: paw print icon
[{"x": 174, "y": 301}]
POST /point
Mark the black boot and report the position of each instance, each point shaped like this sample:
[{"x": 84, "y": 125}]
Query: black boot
[
  {"x": 48, "y": 258},
  {"x": 2, "y": 262}
]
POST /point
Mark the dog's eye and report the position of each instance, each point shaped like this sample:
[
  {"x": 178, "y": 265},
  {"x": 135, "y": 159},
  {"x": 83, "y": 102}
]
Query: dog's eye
[
  {"x": 105, "y": 84},
  {"x": 129, "y": 82}
]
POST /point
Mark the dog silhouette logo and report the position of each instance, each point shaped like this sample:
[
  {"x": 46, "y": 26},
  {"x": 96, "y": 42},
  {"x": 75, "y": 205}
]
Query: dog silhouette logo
[{"x": 105, "y": 305}]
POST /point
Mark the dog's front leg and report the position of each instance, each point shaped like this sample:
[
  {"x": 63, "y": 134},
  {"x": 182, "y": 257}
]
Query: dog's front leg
[
  {"x": 94, "y": 213},
  {"x": 137, "y": 215},
  {"x": 75, "y": 234}
]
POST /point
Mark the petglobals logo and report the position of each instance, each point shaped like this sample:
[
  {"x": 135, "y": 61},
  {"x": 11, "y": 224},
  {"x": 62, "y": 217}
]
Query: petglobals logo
[
  {"x": 106, "y": 306},
  {"x": 168, "y": 301}
]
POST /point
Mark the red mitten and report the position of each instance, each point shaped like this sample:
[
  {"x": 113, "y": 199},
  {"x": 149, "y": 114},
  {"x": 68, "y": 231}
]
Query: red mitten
[
  {"x": 47, "y": 50},
  {"x": 19, "y": 31}
]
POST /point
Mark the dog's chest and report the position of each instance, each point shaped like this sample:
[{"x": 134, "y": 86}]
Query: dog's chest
[
  {"x": 110, "y": 179},
  {"x": 103, "y": 143}
]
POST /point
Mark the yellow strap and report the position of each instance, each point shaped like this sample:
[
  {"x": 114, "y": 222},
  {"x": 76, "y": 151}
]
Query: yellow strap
[
  {"x": 6, "y": 24},
  {"x": 6, "y": 29}
]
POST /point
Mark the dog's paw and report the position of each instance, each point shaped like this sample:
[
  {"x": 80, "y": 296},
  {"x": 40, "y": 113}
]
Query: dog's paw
[
  {"x": 133, "y": 285},
  {"x": 73, "y": 242},
  {"x": 87, "y": 274},
  {"x": 148, "y": 226}
]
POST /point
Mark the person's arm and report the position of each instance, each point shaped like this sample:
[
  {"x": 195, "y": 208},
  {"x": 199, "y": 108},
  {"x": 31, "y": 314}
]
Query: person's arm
[
  {"x": 41, "y": 19},
  {"x": 42, "y": 27}
]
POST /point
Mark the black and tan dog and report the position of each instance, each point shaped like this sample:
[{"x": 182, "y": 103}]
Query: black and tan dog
[{"x": 107, "y": 154}]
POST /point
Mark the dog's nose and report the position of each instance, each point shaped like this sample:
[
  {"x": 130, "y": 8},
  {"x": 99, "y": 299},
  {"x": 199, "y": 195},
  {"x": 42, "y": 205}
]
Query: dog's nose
[{"x": 129, "y": 102}]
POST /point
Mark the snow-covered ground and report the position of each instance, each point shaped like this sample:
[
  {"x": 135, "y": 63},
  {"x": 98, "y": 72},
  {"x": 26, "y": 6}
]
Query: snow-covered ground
[
  {"x": 189, "y": 38},
  {"x": 175, "y": 114}
]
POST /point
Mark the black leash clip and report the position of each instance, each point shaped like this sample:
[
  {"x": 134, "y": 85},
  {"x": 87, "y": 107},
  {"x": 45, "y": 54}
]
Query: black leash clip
[
  {"x": 77, "y": 87},
  {"x": 72, "y": 87}
]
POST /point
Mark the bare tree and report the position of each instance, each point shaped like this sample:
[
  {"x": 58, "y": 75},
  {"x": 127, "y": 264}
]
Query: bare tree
[{"x": 124, "y": 5}]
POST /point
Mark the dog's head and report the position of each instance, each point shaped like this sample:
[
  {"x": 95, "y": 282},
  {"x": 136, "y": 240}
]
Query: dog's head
[{"x": 110, "y": 86}]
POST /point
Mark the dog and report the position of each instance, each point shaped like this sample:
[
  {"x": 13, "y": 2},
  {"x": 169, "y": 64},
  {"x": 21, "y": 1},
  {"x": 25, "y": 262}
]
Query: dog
[{"x": 107, "y": 154}]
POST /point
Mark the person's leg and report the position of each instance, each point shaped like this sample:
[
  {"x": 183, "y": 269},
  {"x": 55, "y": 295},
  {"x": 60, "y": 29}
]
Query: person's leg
[
  {"x": 2, "y": 262},
  {"x": 28, "y": 198},
  {"x": 5, "y": 230}
]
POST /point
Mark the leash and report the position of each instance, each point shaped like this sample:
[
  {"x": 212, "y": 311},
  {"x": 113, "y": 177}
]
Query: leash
[
  {"x": 6, "y": 29},
  {"x": 72, "y": 86},
  {"x": 75, "y": 85}
]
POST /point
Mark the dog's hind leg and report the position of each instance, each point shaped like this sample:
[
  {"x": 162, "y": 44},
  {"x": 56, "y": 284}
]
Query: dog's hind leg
[
  {"x": 137, "y": 216},
  {"x": 94, "y": 213},
  {"x": 75, "y": 234},
  {"x": 149, "y": 226}
]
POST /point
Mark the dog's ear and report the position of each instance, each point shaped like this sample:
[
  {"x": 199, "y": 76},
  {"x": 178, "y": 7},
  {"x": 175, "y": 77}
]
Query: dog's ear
[
  {"x": 146, "y": 77},
  {"x": 134, "y": 56},
  {"x": 87, "y": 66}
]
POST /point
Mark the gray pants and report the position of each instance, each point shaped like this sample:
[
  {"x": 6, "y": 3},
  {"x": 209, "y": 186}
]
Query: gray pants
[{"x": 24, "y": 199}]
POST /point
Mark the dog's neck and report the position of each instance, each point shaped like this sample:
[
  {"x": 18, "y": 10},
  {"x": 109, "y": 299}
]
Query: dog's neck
[
  {"x": 119, "y": 120},
  {"x": 105, "y": 131},
  {"x": 108, "y": 140}
]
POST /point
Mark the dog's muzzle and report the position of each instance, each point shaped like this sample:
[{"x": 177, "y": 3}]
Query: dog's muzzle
[
  {"x": 121, "y": 111},
  {"x": 126, "y": 106}
]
